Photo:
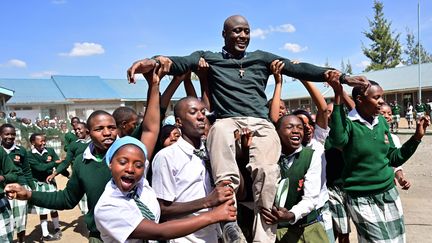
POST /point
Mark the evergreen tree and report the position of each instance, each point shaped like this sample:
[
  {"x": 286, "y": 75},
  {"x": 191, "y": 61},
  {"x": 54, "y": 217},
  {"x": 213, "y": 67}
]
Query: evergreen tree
[
  {"x": 385, "y": 50},
  {"x": 348, "y": 67},
  {"x": 343, "y": 67},
  {"x": 412, "y": 49}
]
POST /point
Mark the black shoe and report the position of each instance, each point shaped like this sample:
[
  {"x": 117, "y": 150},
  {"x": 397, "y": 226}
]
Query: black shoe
[
  {"x": 232, "y": 233},
  {"x": 50, "y": 237},
  {"x": 58, "y": 232}
]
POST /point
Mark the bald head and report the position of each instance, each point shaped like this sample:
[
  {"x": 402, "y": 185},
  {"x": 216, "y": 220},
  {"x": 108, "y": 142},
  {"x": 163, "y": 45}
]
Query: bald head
[{"x": 234, "y": 20}]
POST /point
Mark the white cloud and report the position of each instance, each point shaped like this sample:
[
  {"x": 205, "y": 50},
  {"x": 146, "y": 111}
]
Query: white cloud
[
  {"x": 43, "y": 74},
  {"x": 287, "y": 28},
  {"x": 363, "y": 64},
  {"x": 85, "y": 49},
  {"x": 14, "y": 63},
  {"x": 262, "y": 33},
  {"x": 293, "y": 47},
  {"x": 259, "y": 33}
]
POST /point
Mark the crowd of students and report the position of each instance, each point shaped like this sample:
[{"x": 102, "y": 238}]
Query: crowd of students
[{"x": 184, "y": 179}]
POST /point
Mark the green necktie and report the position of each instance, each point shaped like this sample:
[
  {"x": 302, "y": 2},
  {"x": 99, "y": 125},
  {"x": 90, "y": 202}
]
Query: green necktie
[{"x": 145, "y": 211}]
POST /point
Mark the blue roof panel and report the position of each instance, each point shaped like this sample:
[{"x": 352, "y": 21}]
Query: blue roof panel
[
  {"x": 84, "y": 87},
  {"x": 28, "y": 91}
]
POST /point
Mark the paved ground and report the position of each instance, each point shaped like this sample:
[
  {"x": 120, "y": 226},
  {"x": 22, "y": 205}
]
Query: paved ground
[{"x": 416, "y": 201}]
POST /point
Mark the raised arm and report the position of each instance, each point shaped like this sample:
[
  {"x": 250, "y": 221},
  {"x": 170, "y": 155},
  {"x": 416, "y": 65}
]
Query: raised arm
[
  {"x": 319, "y": 101},
  {"x": 202, "y": 72},
  {"x": 338, "y": 123},
  {"x": 187, "y": 82},
  {"x": 151, "y": 121},
  {"x": 169, "y": 91},
  {"x": 276, "y": 67}
]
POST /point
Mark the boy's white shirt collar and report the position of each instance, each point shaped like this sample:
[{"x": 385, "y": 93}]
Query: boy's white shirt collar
[
  {"x": 8, "y": 151},
  {"x": 35, "y": 151},
  {"x": 353, "y": 115},
  {"x": 187, "y": 147},
  {"x": 88, "y": 153}
]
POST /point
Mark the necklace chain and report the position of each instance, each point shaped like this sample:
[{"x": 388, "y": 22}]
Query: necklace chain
[{"x": 241, "y": 70}]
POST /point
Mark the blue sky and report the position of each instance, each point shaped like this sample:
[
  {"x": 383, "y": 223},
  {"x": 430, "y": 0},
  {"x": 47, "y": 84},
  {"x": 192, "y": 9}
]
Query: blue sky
[{"x": 40, "y": 38}]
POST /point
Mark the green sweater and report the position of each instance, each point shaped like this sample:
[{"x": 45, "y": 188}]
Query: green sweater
[
  {"x": 8, "y": 170},
  {"x": 19, "y": 156},
  {"x": 75, "y": 149},
  {"x": 88, "y": 177},
  {"x": 69, "y": 138},
  {"x": 42, "y": 165},
  {"x": 369, "y": 155},
  {"x": 236, "y": 96}
]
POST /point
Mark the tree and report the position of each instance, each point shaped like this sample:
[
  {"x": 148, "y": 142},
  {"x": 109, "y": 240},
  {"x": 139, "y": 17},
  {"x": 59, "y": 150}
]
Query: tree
[
  {"x": 412, "y": 50},
  {"x": 348, "y": 67},
  {"x": 343, "y": 66},
  {"x": 385, "y": 50}
]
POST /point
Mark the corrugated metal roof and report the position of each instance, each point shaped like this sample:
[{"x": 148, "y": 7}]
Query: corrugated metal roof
[
  {"x": 84, "y": 87},
  {"x": 33, "y": 91},
  {"x": 138, "y": 91},
  {"x": 391, "y": 80}
]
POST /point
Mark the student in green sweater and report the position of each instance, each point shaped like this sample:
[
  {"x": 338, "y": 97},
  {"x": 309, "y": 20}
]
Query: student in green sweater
[
  {"x": 70, "y": 136},
  {"x": 9, "y": 173},
  {"x": 369, "y": 154},
  {"x": 90, "y": 173},
  {"x": 18, "y": 155},
  {"x": 43, "y": 161}
]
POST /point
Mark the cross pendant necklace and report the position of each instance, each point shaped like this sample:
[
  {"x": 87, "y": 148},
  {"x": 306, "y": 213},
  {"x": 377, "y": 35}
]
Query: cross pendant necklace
[{"x": 241, "y": 70}]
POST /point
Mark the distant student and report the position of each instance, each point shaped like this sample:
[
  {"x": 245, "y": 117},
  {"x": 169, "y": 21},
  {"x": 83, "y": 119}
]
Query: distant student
[
  {"x": 399, "y": 175},
  {"x": 42, "y": 161},
  {"x": 18, "y": 155},
  {"x": 409, "y": 115},
  {"x": 396, "y": 110},
  {"x": 369, "y": 154},
  {"x": 70, "y": 136}
]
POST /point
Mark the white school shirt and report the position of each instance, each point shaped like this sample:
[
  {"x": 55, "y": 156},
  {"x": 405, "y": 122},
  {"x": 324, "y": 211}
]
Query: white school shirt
[
  {"x": 117, "y": 216},
  {"x": 181, "y": 176},
  {"x": 317, "y": 144},
  {"x": 312, "y": 187}
]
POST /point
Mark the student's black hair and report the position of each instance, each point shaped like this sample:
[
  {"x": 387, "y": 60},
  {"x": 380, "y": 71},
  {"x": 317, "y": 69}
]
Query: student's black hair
[
  {"x": 123, "y": 113},
  {"x": 282, "y": 118},
  {"x": 93, "y": 115},
  {"x": 83, "y": 123},
  {"x": 34, "y": 135},
  {"x": 178, "y": 105},
  {"x": 165, "y": 132},
  {"x": 75, "y": 118},
  {"x": 305, "y": 113},
  {"x": 359, "y": 90},
  {"x": 6, "y": 125}
]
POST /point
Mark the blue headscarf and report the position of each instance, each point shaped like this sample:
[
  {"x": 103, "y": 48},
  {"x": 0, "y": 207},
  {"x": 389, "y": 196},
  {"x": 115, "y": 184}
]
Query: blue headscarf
[{"x": 120, "y": 142}]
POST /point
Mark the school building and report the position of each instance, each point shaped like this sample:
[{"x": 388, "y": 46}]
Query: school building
[
  {"x": 400, "y": 84},
  {"x": 67, "y": 96}
]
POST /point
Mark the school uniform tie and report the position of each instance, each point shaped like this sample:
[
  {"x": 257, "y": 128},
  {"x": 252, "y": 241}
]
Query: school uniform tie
[
  {"x": 145, "y": 211},
  {"x": 203, "y": 155},
  {"x": 283, "y": 186}
]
